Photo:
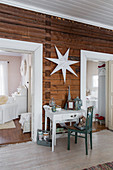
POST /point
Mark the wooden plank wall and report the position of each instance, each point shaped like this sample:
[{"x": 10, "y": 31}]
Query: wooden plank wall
[{"x": 20, "y": 24}]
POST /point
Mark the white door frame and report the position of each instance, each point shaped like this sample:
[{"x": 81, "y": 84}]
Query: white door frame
[
  {"x": 37, "y": 69},
  {"x": 89, "y": 55}
]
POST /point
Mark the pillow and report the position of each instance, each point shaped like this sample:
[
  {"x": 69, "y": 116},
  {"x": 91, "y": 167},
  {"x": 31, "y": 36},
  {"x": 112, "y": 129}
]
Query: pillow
[
  {"x": 79, "y": 127},
  {"x": 10, "y": 100},
  {"x": 3, "y": 99}
]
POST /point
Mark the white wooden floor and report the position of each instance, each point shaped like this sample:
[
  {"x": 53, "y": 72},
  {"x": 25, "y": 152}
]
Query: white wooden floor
[{"x": 32, "y": 156}]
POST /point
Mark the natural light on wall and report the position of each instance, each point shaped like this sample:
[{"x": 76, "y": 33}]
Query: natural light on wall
[
  {"x": 3, "y": 78},
  {"x": 95, "y": 81}
]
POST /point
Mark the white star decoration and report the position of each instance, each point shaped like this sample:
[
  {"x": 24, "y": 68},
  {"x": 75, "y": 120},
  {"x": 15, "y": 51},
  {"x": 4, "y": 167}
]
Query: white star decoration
[{"x": 63, "y": 63}]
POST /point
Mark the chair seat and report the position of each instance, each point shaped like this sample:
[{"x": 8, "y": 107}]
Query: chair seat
[
  {"x": 72, "y": 128},
  {"x": 76, "y": 129}
]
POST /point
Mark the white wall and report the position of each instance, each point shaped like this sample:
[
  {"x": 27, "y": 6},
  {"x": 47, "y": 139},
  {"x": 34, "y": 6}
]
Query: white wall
[
  {"x": 14, "y": 77},
  {"x": 101, "y": 91},
  {"x": 26, "y": 79},
  {"x": 92, "y": 69}
]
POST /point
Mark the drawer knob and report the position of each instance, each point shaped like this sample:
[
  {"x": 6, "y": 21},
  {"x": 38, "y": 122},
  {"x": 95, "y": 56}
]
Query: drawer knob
[
  {"x": 74, "y": 115},
  {"x": 71, "y": 115}
]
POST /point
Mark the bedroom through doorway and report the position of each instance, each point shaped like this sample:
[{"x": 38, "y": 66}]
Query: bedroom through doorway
[
  {"x": 15, "y": 126},
  {"x": 36, "y": 49}
]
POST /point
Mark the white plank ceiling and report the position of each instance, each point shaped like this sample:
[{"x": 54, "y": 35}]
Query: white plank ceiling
[{"x": 93, "y": 12}]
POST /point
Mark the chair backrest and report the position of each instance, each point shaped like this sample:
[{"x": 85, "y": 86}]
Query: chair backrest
[{"x": 89, "y": 118}]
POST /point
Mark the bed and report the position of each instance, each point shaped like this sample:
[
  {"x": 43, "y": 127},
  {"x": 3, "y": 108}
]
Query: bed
[{"x": 8, "y": 111}]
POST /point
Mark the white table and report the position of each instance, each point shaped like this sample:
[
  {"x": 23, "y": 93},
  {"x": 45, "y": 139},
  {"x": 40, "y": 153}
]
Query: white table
[{"x": 61, "y": 117}]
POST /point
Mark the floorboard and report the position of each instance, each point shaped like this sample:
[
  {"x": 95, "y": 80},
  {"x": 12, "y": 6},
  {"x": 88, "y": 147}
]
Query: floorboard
[
  {"x": 31, "y": 156},
  {"x": 14, "y": 135},
  {"x": 98, "y": 127}
]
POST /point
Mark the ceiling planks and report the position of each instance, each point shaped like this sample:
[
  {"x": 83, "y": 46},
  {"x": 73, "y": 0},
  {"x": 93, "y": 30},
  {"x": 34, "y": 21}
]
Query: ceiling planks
[{"x": 97, "y": 13}]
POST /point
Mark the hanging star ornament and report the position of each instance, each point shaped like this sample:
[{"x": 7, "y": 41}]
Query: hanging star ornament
[{"x": 63, "y": 63}]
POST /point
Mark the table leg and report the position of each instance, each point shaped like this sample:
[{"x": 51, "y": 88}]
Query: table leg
[
  {"x": 53, "y": 136},
  {"x": 50, "y": 125},
  {"x": 45, "y": 122}
]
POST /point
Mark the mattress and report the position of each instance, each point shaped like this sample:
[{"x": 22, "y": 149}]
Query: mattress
[{"x": 8, "y": 112}]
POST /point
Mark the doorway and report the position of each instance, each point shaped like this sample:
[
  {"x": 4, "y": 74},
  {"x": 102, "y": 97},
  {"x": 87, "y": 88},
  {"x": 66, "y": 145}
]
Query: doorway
[
  {"x": 95, "y": 92},
  {"x": 18, "y": 92},
  {"x": 89, "y": 55},
  {"x": 36, "y": 73}
]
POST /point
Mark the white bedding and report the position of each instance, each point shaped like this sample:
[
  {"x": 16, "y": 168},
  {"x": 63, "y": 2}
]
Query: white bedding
[{"x": 8, "y": 112}]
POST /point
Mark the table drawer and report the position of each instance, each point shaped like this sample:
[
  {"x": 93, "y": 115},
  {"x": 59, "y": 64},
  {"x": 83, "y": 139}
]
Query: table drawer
[{"x": 67, "y": 118}]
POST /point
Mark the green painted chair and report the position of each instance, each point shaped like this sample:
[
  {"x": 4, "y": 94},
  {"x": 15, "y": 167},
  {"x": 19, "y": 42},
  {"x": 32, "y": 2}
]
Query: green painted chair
[{"x": 87, "y": 129}]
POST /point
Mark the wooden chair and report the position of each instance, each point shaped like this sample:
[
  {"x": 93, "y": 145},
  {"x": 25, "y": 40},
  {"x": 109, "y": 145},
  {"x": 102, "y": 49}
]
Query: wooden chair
[{"x": 86, "y": 130}]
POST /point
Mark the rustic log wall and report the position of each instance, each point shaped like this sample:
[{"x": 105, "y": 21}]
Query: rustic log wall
[{"x": 20, "y": 24}]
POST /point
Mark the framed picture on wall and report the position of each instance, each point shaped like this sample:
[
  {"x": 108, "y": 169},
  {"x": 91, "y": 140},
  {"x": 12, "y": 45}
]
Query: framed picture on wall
[{"x": 70, "y": 105}]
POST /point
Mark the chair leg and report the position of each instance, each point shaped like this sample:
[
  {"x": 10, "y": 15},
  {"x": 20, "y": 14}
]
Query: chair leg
[
  {"x": 68, "y": 140},
  {"x": 91, "y": 140},
  {"x": 75, "y": 137},
  {"x": 86, "y": 144}
]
